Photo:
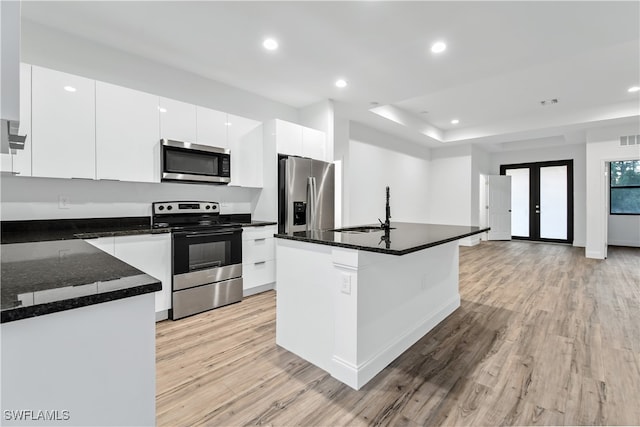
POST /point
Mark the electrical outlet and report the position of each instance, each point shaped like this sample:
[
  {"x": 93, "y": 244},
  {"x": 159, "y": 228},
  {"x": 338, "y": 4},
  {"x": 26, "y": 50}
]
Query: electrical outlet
[
  {"x": 64, "y": 202},
  {"x": 345, "y": 285}
]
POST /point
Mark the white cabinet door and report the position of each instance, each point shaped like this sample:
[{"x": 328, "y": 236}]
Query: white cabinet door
[
  {"x": 288, "y": 138},
  {"x": 258, "y": 258},
  {"x": 150, "y": 253},
  {"x": 211, "y": 127},
  {"x": 63, "y": 125},
  {"x": 18, "y": 162},
  {"x": 127, "y": 134},
  {"x": 245, "y": 143},
  {"x": 314, "y": 144},
  {"x": 177, "y": 120}
]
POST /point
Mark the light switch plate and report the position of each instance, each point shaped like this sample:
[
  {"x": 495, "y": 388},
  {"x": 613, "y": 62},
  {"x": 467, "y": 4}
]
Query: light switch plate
[{"x": 345, "y": 285}]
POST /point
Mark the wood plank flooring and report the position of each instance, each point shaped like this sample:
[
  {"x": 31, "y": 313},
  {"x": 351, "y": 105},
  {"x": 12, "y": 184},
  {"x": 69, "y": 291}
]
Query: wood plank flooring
[{"x": 544, "y": 336}]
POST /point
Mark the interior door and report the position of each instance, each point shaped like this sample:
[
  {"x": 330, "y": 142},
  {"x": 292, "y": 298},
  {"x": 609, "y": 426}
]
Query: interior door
[
  {"x": 499, "y": 207},
  {"x": 542, "y": 200}
]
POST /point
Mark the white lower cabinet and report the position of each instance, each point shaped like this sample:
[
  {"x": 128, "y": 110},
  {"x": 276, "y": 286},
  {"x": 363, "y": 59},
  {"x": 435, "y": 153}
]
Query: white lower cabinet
[
  {"x": 150, "y": 253},
  {"x": 258, "y": 259}
]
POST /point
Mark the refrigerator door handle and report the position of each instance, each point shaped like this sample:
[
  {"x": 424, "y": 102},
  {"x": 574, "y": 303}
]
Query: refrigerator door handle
[{"x": 311, "y": 203}]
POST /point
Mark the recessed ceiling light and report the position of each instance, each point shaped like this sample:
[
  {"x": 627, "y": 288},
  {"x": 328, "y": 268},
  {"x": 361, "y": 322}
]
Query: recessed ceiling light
[
  {"x": 455, "y": 121},
  {"x": 634, "y": 89},
  {"x": 227, "y": 123},
  {"x": 438, "y": 47},
  {"x": 341, "y": 83},
  {"x": 270, "y": 44},
  {"x": 162, "y": 110},
  {"x": 70, "y": 88}
]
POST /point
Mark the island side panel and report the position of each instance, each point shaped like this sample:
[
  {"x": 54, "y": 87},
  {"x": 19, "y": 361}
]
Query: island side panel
[
  {"x": 304, "y": 300},
  {"x": 400, "y": 299},
  {"x": 96, "y": 362}
]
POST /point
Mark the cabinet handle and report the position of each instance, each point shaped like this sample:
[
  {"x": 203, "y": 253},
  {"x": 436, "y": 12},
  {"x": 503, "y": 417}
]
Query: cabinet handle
[
  {"x": 259, "y": 262},
  {"x": 260, "y": 239}
]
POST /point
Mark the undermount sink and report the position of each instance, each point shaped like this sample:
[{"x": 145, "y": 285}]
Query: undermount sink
[{"x": 361, "y": 229}]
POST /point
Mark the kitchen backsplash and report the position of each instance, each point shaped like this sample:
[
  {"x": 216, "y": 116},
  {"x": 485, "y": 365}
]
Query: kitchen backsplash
[{"x": 25, "y": 198}]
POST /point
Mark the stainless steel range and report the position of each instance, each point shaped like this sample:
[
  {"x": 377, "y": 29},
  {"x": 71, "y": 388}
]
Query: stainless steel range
[{"x": 206, "y": 256}]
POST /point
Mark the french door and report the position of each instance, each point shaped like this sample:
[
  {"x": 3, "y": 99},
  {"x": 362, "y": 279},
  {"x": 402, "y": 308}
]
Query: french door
[{"x": 541, "y": 200}]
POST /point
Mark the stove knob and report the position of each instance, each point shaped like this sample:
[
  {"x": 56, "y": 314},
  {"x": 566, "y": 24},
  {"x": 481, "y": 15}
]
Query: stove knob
[
  {"x": 161, "y": 208},
  {"x": 169, "y": 207},
  {"x": 208, "y": 207},
  {"x": 215, "y": 207}
]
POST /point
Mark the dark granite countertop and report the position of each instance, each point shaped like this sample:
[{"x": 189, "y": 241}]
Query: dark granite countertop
[
  {"x": 402, "y": 239},
  {"x": 45, "y": 277},
  {"x": 91, "y": 228},
  {"x": 259, "y": 223}
]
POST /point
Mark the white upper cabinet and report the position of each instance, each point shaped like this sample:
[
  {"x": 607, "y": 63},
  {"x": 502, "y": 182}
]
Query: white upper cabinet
[
  {"x": 245, "y": 143},
  {"x": 177, "y": 120},
  {"x": 63, "y": 125},
  {"x": 127, "y": 134},
  {"x": 289, "y": 138},
  {"x": 211, "y": 127},
  {"x": 314, "y": 144},
  {"x": 18, "y": 162},
  {"x": 297, "y": 140}
]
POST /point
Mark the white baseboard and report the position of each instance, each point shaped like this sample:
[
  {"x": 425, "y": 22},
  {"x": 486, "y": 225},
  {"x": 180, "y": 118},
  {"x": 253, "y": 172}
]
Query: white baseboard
[
  {"x": 629, "y": 243},
  {"x": 357, "y": 376},
  {"x": 162, "y": 315},
  {"x": 594, "y": 254}
]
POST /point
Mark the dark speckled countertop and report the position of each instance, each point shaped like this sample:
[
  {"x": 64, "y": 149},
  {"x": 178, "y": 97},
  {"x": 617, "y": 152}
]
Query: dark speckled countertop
[
  {"x": 46, "y": 277},
  {"x": 47, "y": 267},
  {"x": 403, "y": 238}
]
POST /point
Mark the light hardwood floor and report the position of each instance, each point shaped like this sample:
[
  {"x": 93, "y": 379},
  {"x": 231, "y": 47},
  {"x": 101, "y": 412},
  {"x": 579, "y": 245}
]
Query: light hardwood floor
[{"x": 544, "y": 336}]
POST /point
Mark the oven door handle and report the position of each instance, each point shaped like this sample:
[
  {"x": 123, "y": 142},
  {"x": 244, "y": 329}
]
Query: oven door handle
[{"x": 215, "y": 234}]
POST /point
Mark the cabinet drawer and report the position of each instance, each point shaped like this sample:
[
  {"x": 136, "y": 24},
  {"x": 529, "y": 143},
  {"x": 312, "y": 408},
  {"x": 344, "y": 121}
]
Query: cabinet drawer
[
  {"x": 259, "y": 249},
  {"x": 251, "y": 233},
  {"x": 258, "y": 274}
]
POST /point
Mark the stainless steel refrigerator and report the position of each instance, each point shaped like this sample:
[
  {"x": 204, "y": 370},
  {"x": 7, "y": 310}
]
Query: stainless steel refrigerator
[{"x": 305, "y": 194}]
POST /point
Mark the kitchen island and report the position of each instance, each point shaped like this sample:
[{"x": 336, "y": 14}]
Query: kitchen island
[{"x": 352, "y": 300}]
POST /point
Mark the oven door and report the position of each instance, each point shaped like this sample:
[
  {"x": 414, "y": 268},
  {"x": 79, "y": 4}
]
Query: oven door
[{"x": 202, "y": 257}]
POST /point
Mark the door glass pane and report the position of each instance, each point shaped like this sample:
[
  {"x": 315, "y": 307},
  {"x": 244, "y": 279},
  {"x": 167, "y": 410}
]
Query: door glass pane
[
  {"x": 553, "y": 202},
  {"x": 519, "y": 201},
  {"x": 209, "y": 255}
]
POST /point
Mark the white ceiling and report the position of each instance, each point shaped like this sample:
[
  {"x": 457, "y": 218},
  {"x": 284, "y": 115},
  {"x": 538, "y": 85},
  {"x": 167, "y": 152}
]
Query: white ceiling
[{"x": 502, "y": 59}]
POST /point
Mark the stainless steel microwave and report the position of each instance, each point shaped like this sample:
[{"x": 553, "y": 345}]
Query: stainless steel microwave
[{"x": 187, "y": 162}]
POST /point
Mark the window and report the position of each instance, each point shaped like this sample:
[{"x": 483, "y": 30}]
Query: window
[{"x": 625, "y": 188}]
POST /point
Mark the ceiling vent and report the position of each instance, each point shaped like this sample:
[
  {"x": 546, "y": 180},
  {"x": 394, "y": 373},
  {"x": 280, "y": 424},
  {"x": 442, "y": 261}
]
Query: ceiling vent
[{"x": 630, "y": 140}]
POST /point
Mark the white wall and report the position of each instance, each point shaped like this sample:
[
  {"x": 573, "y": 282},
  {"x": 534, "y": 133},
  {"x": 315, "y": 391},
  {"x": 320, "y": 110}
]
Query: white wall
[
  {"x": 575, "y": 152},
  {"x": 624, "y": 230},
  {"x": 603, "y": 146},
  {"x": 26, "y": 198},
  {"x": 449, "y": 186},
  {"x": 377, "y": 160}
]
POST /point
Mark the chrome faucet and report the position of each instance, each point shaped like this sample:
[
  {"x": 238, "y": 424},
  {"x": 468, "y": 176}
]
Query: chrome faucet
[{"x": 386, "y": 225}]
